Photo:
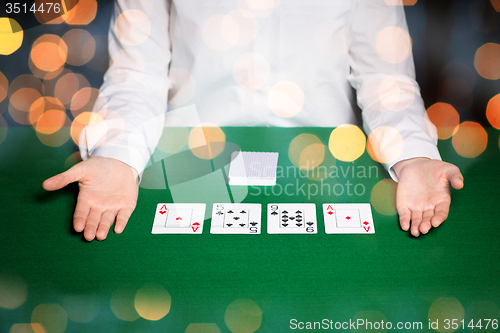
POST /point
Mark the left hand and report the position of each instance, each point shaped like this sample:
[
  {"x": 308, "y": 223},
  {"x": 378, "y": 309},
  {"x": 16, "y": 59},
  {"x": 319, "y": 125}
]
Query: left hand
[{"x": 423, "y": 193}]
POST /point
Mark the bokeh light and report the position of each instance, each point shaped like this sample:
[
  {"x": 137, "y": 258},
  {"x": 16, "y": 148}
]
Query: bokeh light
[
  {"x": 13, "y": 291},
  {"x": 446, "y": 308},
  {"x": 11, "y": 41},
  {"x": 20, "y": 104},
  {"x": 68, "y": 85},
  {"x": 49, "y": 53},
  {"x": 84, "y": 100},
  {"x": 384, "y": 144},
  {"x": 239, "y": 27},
  {"x": 42, "y": 105},
  {"x": 87, "y": 119},
  {"x": 4, "y": 86},
  {"x": 73, "y": 159},
  {"x": 81, "y": 308},
  {"x": 393, "y": 45},
  {"x": 496, "y": 5},
  {"x": 493, "y": 111},
  {"x": 285, "y": 99},
  {"x": 59, "y": 137},
  {"x": 43, "y": 74},
  {"x": 23, "y": 91},
  {"x": 347, "y": 142},
  {"x": 81, "y": 46},
  {"x": 132, "y": 27},
  {"x": 122, "y": 303},
  {"x": 383, "y": 197},
  {"x": 152, "y": 302},
  {"x": 82, "y": 14},
  {"x": 220, "y": 32},
  {"x": 487, "y": 60},
  {"x": 51, "y": 316},
  {"x": 479, "y": 310},
  {"x": 174, "y": 137},
  {"x": 203, "y": 328},
  {"x": 27, "y": 328},
  {"x": 212, "y": 33},
  {"x": 445, "y": 118},
  {"x": 470, "y": 140},
  {"x": 258, "y": 8},
  {"x": 306, "y": 151},
  {"x": 207, "y": 140},
  {"x": 388, "y": 93},
  {"x": 183, "y": 86},
  {"x": 54, "y": 16},
  {"x": 243, "y": 316},
  {"x": 51, "y": 121},
  {"x": 251, "y": 71}
]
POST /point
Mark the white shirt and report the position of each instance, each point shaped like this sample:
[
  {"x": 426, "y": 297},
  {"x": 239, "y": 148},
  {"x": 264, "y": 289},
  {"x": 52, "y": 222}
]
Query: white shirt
[{"x": 281, "y": 63}]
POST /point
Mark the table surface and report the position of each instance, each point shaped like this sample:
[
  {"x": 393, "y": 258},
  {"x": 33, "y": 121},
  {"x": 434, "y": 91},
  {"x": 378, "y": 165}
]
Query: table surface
[{"x": 388, "y": 275}]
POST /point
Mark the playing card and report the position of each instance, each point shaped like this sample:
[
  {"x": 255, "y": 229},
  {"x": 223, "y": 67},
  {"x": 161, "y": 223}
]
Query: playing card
[
  {"x": 348, "y": 219},
  {"x": 297, "y": 218},
  {"x": 240, "y": 218},
  {"x": 179, "y": 219},
  {"x": 253, "y": 168}
]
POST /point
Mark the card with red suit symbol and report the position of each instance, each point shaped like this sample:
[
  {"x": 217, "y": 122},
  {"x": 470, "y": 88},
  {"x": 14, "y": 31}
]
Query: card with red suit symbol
[
  {"x": 348, "y": 219},
  {"x": 179, "y": 218}
]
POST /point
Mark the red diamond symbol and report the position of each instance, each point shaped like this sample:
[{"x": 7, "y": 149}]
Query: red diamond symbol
[
  {"x": 330, "y": 212},
  {"x": 179, "y": 218},
  {"x": 348, "y": 217}
]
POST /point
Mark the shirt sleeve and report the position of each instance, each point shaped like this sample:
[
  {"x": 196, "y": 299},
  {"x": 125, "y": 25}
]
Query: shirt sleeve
[
  {"x": 383, "y": 74},
  {"x": 128, "y": 116}
]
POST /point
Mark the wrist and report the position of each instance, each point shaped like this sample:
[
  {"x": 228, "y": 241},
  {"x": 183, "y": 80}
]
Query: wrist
[{"x": 399, "y": 166}]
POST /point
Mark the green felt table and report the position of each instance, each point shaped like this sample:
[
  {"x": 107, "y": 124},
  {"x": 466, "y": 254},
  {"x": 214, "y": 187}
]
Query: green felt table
[{"x": 252, "y": 281}]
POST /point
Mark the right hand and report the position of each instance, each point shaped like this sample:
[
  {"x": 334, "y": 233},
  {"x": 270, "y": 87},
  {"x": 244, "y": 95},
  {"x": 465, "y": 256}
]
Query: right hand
[{"x": 108, "y": 190}]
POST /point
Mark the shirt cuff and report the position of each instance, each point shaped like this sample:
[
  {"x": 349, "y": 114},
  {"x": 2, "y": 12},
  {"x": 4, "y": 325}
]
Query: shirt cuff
[{"x": 412, "y": 150}]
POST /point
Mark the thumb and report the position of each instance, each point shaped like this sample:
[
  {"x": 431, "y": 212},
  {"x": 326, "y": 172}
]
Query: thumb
[
  {"x": 73, "y": 174},
  {"x": 456, "y": 179}
]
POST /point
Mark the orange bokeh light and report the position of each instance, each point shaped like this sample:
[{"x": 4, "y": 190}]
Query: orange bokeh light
[
  {"x": 49, "y": 53},
  {"x": 42, "y": 105},
  {"x": 82, "y": 120},
  {"x": 51, "y": 14},
  {"x": 384, "y": 144},
  {"x": 81, "y": 46},
  {"x": 82, "y": 14},
  {"x": 4, "y": 86},
  {"x": 493, "y": 111},
  {"x": 496, "y": 5},
  {"x": 83, "y": 100},
  {"x": 470, "y": 140},
  {"x": 487, "y": 61},
  {"x": 51, "y": 121},
  {"x": 445, "y": 118},
  {"x": 68, "y": 85}
]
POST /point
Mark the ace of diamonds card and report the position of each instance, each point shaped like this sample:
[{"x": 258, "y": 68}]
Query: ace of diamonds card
[
  {"x": 179, "y": 219},
  {"x": 348, "y": 219}
]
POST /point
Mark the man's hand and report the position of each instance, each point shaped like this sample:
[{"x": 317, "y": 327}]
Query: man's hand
[
  {"x": 423, "y": 193},
  {"x": 108, "y": 190}
]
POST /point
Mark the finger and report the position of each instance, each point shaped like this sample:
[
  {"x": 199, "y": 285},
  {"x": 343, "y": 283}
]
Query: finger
[
  {"x": 416, "y": 219},
  {"x": 425, "y": 225},
  {"x": 440, "y": 213},
  {"x": 82, "y": 210},
  {"x": 122, "y": 219},
  {"x": 75, "y": 173},
  {"x": 107, "y": 219},
  {"x": 456, "y": 178},
  {"x": 92, "y": 223},
  {"x": 404, "y": 218}
]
